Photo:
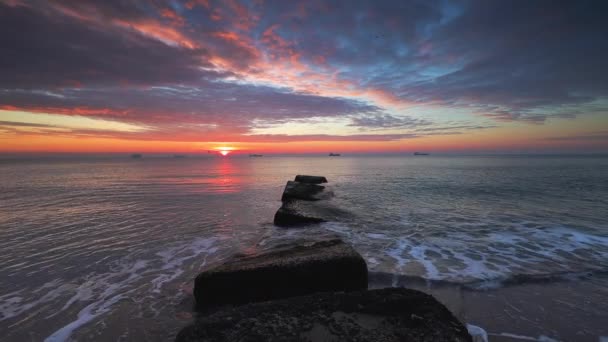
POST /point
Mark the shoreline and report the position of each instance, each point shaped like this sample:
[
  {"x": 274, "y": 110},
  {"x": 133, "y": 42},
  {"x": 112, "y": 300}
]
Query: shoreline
[{"x": 534, "y": 311}]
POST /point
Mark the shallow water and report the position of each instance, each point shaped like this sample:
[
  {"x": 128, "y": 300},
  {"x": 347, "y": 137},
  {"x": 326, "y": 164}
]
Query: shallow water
[{"x": 106, "y": 248}]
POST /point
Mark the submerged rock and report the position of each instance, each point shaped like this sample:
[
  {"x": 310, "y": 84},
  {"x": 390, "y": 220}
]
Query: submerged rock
[
  {"x": 288, "y": 216},
  {"x": 298, "y": 196},
  {"x": 301, "y": 213},
  {"x": 388, "y": 315},
  {"x": 302, "y": 191},
  {"x": 322, "y": 266},
  {"x": 310, "y": 179}
]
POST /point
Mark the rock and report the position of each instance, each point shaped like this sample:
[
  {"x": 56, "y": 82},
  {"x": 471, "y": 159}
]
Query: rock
[
  {"x": 301, "y": 191},
  {"x": 296, "y": 210},
  {"x": 300, "y": 213},
  {"x": 310, "y": 179},
  {"x": 289, "y": 217},
  {"x": 385, "y": 315},
  {"x": 329, "y": 265}
]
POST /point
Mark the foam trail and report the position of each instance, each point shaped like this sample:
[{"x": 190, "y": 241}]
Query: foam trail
[
  {"x": 14, "y": 306},
  {"x": 492, "y": 257},
  {"x": 85, "y": 315},
  {"x": 97, "y": 308},
  {"x": 106, "y": 290},
  {"x": 541, "y": 338},
  {"x": 478, "y": 333},
  {"x": 172, "y": 261}
]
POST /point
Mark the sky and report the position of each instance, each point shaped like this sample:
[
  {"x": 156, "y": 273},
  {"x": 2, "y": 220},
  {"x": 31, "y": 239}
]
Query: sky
[{"x": 303, "y": 77}]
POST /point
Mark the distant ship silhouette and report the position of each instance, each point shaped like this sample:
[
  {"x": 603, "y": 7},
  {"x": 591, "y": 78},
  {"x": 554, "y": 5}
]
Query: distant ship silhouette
[
  {"x": 420, "y": 154},
  {"x": 331, "y": 154},
  {"x": 136, "y": 156},
  {"x": 256, "y": 155}
]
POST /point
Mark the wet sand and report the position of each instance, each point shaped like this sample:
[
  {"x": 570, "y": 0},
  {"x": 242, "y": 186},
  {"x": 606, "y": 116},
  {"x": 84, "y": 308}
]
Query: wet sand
[{"x": 538, "y": 311}]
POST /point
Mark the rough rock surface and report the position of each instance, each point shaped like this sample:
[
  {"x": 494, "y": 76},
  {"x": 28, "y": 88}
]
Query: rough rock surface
[
  {"x": 298, "y": 199},
  {"x": 329, "y": 265},
  {"x": 302, "y": 191},
  {"x": 287, "y": 216},
  {"x": 310, "y": 179},
  {"x": 377, "y": 315}
]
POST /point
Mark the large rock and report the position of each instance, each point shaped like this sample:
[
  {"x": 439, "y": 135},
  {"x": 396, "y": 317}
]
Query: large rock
[
  {"x": 301, "y": 213},
  {"x": 329, "y": 265},
  {"x": 288, "y": 216},
  {"x": 302, "y": 191},
  {"x": 310, "y": 179},
  {"x": 378, "y": 315},
  {"x": 298, "y": 196}
]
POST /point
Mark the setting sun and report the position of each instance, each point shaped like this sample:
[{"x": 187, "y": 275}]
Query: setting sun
[{"x": 225, "y": 150}]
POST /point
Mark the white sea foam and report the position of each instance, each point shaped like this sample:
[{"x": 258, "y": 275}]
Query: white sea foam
[
  {"x": 174, "y": 257},
  {"x": 105, "y": 290},
  {"x": 477, "y": 333},
  {"x": 481, "y": 259},
  {"x": 12, "y": 304},
  {"x": 101, "y": 291},
  {"x": 464, "y": 257},
  {"x": 541, "y": 338}
]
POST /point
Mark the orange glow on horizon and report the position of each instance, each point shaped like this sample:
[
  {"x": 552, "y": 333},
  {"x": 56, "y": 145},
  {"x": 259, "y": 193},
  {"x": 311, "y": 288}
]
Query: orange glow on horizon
[
  {"x": 511, "y": 138},
  {"x": 225, "y": 150}
]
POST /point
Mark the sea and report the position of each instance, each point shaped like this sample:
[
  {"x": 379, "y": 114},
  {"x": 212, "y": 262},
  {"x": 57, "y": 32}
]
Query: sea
[{"x": 105, "y": 248}]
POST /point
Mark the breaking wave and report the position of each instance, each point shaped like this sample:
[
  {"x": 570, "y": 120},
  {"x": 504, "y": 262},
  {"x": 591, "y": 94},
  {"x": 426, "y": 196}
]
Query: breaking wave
[
  {"x": 95, "y": 294},
  {"x": 483, "y": 259}
]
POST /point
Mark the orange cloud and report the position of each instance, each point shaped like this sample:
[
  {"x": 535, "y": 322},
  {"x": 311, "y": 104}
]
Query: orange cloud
[
  {"x": 156, "y": 30},
  {"x": 193, "y": 3},
  {"x": 173, "y": 16},
  {"x": 83, "y": 111},
  {"x": 148, "y": 27},
  {"x": 279, "y": 63}
]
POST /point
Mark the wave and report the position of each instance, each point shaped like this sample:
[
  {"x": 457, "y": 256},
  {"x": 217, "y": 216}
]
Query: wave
[
  {"x": 96, "y": 294},
  {"x": 478, "y": 258},
  {"x": 384, "y": 279}
]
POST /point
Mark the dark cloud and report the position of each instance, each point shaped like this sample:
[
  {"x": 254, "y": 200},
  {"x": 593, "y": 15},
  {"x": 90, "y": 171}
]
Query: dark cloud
[
  {"x": 327, "y": 137},
  {"x": 507, "y": 60},
  {"x": 525, "y": 58},
  {"x": 47, "y": 50},
  {"x": 229, "y": 106},
  {"x": 452, "y": 128},
  {"x": 23, "y": 124},
  {"x": 388, "y": 121}
]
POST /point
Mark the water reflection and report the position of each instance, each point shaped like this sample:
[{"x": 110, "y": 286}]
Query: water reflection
[{"x": 225, "y": 176}]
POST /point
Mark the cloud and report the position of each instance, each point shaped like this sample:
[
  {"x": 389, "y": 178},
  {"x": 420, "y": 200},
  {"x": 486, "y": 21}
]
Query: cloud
[
  {"x": 601, "y": 136},
  {"x": 45, "y": 50},
  {"x": 328, "y": 137},
  {"x": 24, "y": 124},
  {"x": 213, "y": 69},
  {"x": 173, "y": 111},
  {"x": 526, "y": 59},
  {"x": 388, "y": 121},
  {"x": 508, "y": 61}
]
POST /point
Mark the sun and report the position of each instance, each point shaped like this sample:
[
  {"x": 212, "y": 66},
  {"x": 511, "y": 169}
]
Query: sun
[{"x": 224, "y": 150}]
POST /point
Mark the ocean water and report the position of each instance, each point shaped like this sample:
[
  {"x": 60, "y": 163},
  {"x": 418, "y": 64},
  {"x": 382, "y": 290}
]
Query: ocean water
[{"x": 107, "y": 248}]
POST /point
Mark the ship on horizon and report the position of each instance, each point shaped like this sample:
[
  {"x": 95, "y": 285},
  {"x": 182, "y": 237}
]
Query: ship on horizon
[
  {"x": 420, "y": 154},
  {"x": 331, "y": 154},
  {"x": 256, "y": 155}
]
